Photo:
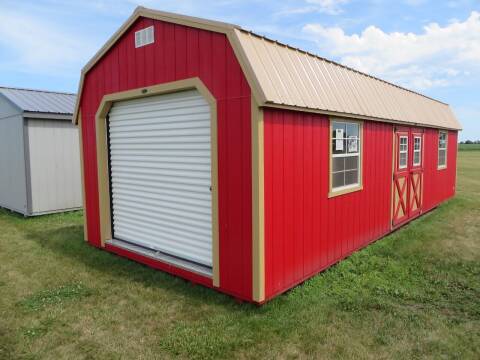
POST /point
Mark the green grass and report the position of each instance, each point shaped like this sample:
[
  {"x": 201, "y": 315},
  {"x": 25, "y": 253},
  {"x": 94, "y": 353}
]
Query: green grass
[
  {"x": 468, "y": 147},
  {"x": 414, "y": 294},
  {"x": 54, "y": 296}
]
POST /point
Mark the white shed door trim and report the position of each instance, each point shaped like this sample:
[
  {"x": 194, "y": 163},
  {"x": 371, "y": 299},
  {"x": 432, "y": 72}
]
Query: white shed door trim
[{"x": 160, "y": 166}]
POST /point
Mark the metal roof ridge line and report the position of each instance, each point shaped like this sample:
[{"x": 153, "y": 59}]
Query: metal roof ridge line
[{"x": 37, "y": 90}]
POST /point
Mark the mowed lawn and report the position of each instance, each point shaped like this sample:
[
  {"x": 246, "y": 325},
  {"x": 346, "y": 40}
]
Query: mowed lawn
[
  {"x": 469, "y": 147},
  {"x": 413, "y": 294}
]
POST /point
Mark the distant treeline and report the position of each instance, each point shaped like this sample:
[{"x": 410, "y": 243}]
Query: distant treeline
[
  {"x": 470, "y": 142},
  {"x": 469, "y": 145}
]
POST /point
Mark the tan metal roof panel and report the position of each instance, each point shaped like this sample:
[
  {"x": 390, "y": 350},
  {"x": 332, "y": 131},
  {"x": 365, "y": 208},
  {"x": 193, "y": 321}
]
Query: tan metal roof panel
[
  {"x": 316, "y": 81},
  {"x": 288, "y": 71},
  {"x": 282, "y": 79},
  {"x": 309, "y": 82},
  {"x": 328, "y": 83},
  {"x": 305, "y": 86}
]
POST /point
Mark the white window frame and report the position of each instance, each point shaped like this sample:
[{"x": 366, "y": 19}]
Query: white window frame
[
  {"x": 419, "y": 151},
  {"x": 440, "y": 133},
  {"x": 352, "y": 187},
  {"x": 400, "y": 151}
]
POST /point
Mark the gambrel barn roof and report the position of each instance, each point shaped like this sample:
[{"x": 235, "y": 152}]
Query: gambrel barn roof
[{"x": 286, "y": 77}]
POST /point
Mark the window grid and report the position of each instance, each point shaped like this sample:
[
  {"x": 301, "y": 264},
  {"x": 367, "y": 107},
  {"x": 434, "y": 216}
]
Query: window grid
[
  {"x": 442, "y": 149},
  {"x": 345, "y": 155},
  {"x": 417, "y": 151},
  {"x": 403, "y": 152}
]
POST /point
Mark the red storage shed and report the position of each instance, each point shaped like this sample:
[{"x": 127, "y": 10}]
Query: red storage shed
[{"x": 244, "y": 164}]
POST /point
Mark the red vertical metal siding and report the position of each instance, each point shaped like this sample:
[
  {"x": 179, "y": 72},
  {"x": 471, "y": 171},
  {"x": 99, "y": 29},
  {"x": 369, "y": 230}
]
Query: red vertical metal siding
[
  {"x": 305, "y": 231},
  {"x": 439, "y": 185},
  {"x": 181, "y": 52}
]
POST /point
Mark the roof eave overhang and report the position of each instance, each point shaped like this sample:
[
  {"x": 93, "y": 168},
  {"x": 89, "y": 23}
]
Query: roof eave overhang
[
  {"x": 46, "y": 115},
  {"x": 273, "y": 105}
]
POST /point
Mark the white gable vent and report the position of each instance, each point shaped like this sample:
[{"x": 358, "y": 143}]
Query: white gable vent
[{"x": 144, "y": 37}]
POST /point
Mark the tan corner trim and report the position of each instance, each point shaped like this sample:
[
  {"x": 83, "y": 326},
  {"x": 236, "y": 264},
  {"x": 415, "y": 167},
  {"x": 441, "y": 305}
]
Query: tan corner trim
[
  {"x": 394, "y": 159},
  {"x": 214, "y": 170},
  {"x": 102, "y": 155},
  {"x": 103, "y": 172},
  {"x": 82, "y": 173},
  {"x": 258, "y": 211},
  {"x": 333, "y": 193}
]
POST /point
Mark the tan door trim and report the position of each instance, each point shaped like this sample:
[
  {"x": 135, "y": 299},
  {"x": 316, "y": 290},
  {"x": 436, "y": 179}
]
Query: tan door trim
[
  {"x": 258, "y": 210},
  {"x": 394, "y": 159},
  {"x": 102, "y": 155}
]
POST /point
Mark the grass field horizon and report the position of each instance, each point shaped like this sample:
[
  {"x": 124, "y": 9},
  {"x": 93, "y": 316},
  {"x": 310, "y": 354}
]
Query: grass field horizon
[
  {"x": 469, "y": 147},
  {"x": 412, "y": 294}
]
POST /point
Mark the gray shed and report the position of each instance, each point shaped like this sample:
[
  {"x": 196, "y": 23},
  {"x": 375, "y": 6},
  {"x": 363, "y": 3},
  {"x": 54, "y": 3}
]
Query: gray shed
[{"x": 39, "y": 152}]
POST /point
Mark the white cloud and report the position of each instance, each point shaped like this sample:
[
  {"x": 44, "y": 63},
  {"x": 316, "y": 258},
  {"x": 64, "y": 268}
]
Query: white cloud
[
  {"x": 432, "y": 58},
  {"x": 39, "y": 46}
]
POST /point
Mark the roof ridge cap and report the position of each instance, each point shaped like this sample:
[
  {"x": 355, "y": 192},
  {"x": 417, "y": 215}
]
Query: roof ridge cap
[{"x": 37, "y": 90}]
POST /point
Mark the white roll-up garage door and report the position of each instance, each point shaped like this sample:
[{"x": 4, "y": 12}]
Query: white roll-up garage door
[{"x": 160, "y": 167}]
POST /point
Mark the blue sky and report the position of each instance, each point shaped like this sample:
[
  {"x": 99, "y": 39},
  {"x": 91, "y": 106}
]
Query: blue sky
[{"x": 429, "y": 46}]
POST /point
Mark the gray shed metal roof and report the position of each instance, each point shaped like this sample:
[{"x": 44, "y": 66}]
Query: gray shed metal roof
[{"x": 40, "y": 101}]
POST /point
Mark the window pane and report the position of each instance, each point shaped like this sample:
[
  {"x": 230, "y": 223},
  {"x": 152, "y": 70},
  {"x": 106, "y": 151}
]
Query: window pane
[
  {"x": 338, "y": 180},
  {"x": 403, "y": 160},
  {"x": 338, "y": 126},
  {"x": 353, "y": 130},
  {"x": 339, "y": 146},
  {"x": 346, "y": 147},
  {"x": 417, "y": 144},
  {"x": 403, "y": 144},
  {"x": 351, "y": 177},
  {"x": 338, "y": 164},
  {"x": 442, "y": 157},
  {"x": 351, "y": 163},
  {"x": 353, "y": 146},
  {"x": 416, "y": 158}
]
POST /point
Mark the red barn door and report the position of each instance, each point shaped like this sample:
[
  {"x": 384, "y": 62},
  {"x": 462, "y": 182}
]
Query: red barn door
[{"x": 407, "y": 174}]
